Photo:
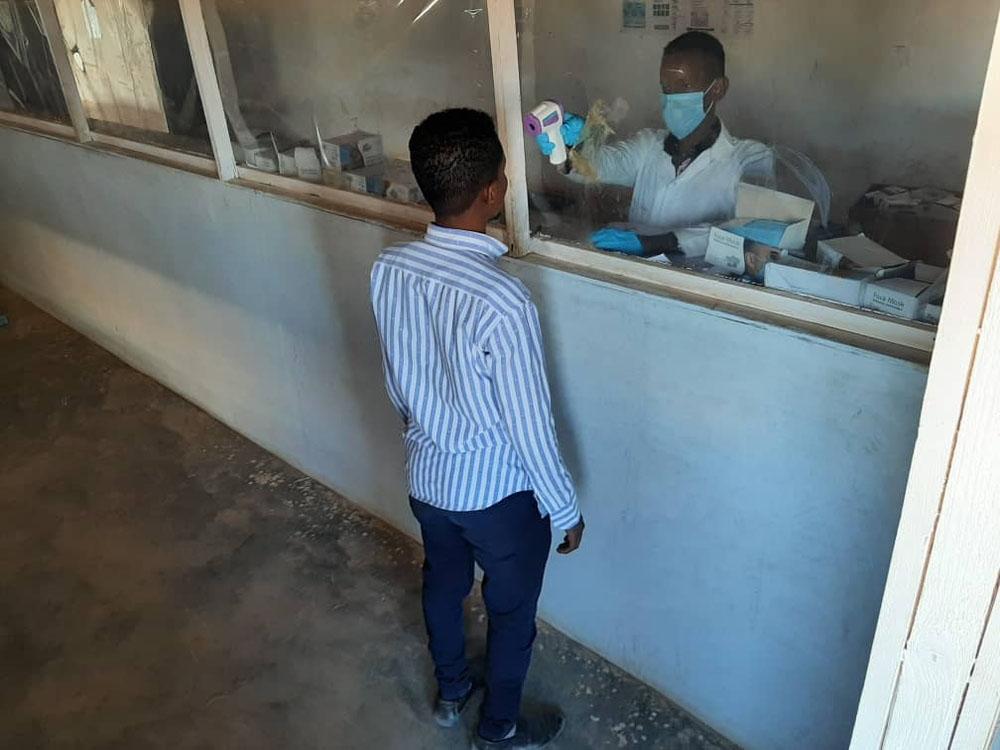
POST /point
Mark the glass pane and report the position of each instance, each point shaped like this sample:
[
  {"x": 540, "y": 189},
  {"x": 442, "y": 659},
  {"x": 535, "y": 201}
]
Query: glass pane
[
  {"x": 28, "y": 81},
  {"x": 355, "y": 76},
  {"x": 133, "y": 70},
  {"x": 868, "y": 123}
]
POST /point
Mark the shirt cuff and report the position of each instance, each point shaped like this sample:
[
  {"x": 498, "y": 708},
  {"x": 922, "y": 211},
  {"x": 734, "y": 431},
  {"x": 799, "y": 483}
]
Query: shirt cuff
[{"x": 567, "y": 517}]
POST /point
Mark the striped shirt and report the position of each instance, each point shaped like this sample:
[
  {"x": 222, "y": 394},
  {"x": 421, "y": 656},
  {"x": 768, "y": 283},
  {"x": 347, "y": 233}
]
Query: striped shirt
[{"x": 462, "y": 353}]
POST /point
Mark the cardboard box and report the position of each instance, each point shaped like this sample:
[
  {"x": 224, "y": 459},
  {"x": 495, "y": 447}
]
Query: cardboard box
[
  {"x": 353, "y": 151},
  {"x": 370, "y": 180},
  {"x": 286, "y": 163},
  {"x": 904, "y": 298},
  {"x": 802, "y": 277},
  {"x": 726, "y": 249},
  {"x": 898, "y": 297},
  {"x": 307, "y": 164},
  {"x": 859, "y": 250},
  {"x": 262, "y": 155},
  {"x": 917, "y": 224},
  {"x": 927, "y": 273},
  {"x": 401, "y": 185}
]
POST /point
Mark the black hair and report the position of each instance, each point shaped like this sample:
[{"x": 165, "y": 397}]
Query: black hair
[
  {"x": 455, "y": 153},
  {"x": 703, "y": 44}
]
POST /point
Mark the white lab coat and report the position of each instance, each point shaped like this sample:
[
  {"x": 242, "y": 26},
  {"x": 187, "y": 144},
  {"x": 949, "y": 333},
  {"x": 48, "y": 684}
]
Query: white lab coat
[{"x": 689, "y": 203}]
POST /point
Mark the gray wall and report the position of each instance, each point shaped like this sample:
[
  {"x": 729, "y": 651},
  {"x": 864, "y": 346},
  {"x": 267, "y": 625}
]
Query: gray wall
[{"x": 742, "y": 483}]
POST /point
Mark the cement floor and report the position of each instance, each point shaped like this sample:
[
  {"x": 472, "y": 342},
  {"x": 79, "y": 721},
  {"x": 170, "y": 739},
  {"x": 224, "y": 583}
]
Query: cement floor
[{"x": 166, "y": 583}]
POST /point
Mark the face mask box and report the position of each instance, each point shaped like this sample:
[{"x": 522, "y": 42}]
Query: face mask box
[
  {"x": 809, "y": 279},
  {"x": 401, "y": 185},
  {"x": 262, "y": 155},
  {"x": 367, "y": 180},
  {"x": 860, "y": 251},
  {"x": 353, "y": 151},
  {"x": 307, "y": 164},
  {"x": 286, "y": 163},
  {"x": 726, "y": 249},
  {"x": 903, "y": 298}
]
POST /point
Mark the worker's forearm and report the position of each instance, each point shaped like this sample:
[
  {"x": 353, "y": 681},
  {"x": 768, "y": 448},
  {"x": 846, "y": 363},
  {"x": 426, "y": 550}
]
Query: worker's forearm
[{"x": 658, "y": 244}]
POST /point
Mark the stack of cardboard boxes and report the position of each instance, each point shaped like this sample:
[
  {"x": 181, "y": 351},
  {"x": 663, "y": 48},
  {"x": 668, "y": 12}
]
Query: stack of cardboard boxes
[
  {"x": 859, "y": 272},
  {"x": 355, "y": 161},
  {"x": 765, "y": 242}
]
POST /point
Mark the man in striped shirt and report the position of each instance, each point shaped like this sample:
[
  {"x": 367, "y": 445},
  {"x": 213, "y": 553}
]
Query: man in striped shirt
[{"x": 464, "y": 368}]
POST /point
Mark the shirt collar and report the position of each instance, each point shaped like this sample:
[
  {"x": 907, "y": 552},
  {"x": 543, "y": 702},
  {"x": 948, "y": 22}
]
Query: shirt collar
[
  {"x": 671, "y": 144},
  {"x": 463, "y": 239},
  {"x": 721, "y": 150}
]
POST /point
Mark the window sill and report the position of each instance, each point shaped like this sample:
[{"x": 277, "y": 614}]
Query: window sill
[
  {"x": 200, "y": 165},
  {"x": 37, "y": 126},
  {"x": 369, "y": 208},
  {"x": 868, "y": 330}
]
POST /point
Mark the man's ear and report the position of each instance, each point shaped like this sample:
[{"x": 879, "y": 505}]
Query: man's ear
[
  {"x": 491, "y": 193},
  {"x": 719, "y": 89}
]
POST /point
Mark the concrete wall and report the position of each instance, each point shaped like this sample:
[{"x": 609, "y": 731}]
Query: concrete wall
[
  {"x": 873, "y": 91},
  {"x": 742, "y": 483}
]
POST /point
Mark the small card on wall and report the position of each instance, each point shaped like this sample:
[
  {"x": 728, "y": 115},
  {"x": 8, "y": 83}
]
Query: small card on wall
[
  {"x": 738, "y": 19},
  {"x": 633, "y": 14}
]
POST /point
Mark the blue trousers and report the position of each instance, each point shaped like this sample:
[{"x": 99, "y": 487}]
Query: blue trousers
[{"x": 510, "y": 541}]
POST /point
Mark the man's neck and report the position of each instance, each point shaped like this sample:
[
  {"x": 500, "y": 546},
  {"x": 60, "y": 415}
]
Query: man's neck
[
  {"x": 464, "y": 222},
  {"x": 704, "y": 137},
  {"x": 695, "y": 144}
]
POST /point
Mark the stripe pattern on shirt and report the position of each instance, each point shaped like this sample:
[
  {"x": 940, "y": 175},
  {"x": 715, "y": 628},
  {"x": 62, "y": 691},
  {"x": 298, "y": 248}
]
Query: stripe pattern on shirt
[{"x": 464, "y": 367}]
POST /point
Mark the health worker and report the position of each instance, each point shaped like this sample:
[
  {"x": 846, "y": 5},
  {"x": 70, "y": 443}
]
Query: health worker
[{"x": 683, "y": 178}]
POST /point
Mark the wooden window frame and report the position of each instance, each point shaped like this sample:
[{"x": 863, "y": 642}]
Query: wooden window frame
[{"x": 933, "y": 676}]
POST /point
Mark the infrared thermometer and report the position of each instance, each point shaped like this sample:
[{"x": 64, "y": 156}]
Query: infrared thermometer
[{"x": 547, "y": 118}]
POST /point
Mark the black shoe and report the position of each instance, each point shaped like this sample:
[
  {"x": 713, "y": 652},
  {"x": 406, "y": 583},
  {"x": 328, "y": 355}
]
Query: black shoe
[
  {"x": 533, "y": 731},
  {"x": 448, "y": 714}
]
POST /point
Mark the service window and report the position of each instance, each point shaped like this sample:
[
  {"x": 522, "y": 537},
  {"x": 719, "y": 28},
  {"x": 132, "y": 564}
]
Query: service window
[
  {"x": 817, "y": 149},
  {"x": 133, "y": 70},
  {"x": 29, "y": 84},
  {"x": 329, "y": 92}
]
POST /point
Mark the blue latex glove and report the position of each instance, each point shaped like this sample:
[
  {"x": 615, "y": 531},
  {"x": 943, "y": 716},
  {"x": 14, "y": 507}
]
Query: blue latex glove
[
  {"x": 571, "y": 129},
  {"x": 617, "y": 240}
]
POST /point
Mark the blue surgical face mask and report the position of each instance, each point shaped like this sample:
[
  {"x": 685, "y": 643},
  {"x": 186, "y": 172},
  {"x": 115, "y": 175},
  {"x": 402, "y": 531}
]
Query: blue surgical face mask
[{"x": 683, "y": 113}]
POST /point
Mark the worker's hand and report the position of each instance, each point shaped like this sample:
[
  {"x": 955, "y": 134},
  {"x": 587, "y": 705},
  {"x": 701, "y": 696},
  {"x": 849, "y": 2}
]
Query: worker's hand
[
  {"x": 572, "y": 541},
  {"x": 572, "y": 129},
  {"x": 617, "y": 240}
]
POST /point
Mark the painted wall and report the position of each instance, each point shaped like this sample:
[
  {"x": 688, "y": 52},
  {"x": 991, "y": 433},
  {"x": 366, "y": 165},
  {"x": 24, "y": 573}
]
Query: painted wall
[
  {"x": 872, "y": 91},
  {"x": 742, "y": 483}
]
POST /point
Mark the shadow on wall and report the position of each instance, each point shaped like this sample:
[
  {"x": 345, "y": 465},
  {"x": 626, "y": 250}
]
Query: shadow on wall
[{"x": 197, "y": 283}]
